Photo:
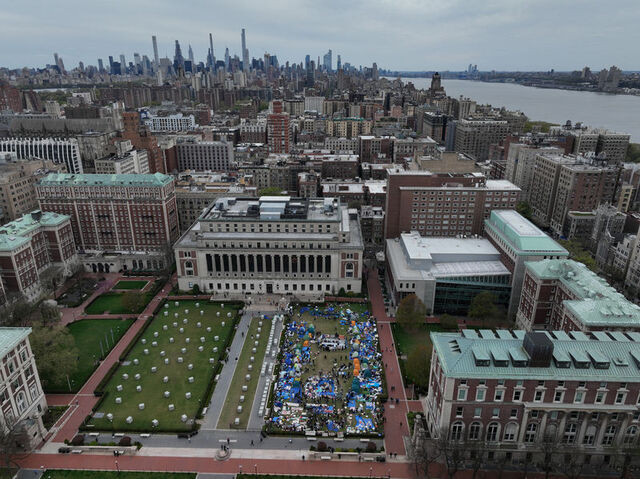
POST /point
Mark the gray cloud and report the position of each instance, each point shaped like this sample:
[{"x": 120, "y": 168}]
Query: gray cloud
[{"x": 400, "y": 34}]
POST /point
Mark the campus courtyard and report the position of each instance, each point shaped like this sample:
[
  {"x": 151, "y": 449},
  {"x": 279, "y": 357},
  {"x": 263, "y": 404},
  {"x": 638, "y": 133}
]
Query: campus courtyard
[
  {"x": 167, "y": 376},
  {"x": 330, "y": 376}
]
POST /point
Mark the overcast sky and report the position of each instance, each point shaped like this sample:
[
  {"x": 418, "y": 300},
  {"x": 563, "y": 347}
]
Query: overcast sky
[{"x": 397, "y": 34}]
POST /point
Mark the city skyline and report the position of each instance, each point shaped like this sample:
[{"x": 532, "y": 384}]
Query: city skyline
[{"x": 413, "y": 36}]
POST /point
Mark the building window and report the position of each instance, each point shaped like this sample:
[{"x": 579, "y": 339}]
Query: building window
[
  {"x": 558, "y": 396},
  {"x": 570, "y": 433},
  {"x": 589, "y": 436},
  {"x": 538, "y": 396},
  {"x": 630, "y": 435},
  {"x": 492, "y": 432},
  {"x": 477, "y": 412},
  {"x": 462, "y": 394},
  {"x": 510, "y": 432},
  {"x": 474, "y": 431},
  {"x": 480, "y": 394},
  {"x": 531, "y": 432},
  {"x": 499, "y": 395},
  {"x": 609, "y": 436},
  {"x": 620, "y": 398},
  {"x": 517, "y": 395},
  {"x": 459, "y": 411},
  {"x": 456, "y": 431},
  {"x": 579, "y": 397}
]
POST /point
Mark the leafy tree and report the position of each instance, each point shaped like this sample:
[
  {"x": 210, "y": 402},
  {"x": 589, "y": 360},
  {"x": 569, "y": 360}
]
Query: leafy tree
[
  {"x": 418, "y": 365},
  {"x": 483, "y": 306},
  {"x": 448, "y": 322},
  {"x": 55, "y": 353},
  {"x": 51, "y": 278},
  {"x": 633, "y": 153},
  {"x": 270, "y": 191},
  {"x": 132, "y": 301},
  {"x": 196, "y": 289},
  {"x": 411, "y": 312},
  {"x": 524, "y": 209},
  {"x": 579, "y": 253},
  {"x": 17, "y": 311}
]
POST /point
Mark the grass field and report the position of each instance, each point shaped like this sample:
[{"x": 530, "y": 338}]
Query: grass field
[
  {"x": 131, "y": 284},
  {"x": 112, "y": 303},
  {"x": 153, "y": 387},
  {"x": 93, "y": 337},
  {"x": 67, "y": 474},
  {"x": 406, "y": 341},
  {"x": 229, "y": 411}
]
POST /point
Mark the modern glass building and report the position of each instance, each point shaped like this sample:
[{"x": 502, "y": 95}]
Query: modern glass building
[{"x": 446, "y": 273}]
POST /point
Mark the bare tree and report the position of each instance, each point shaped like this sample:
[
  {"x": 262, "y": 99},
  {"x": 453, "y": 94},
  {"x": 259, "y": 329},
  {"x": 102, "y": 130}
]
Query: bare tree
[
  {"x": 14, "y": 444},
  {"x": 452, "y": 451},
  {"x": 572, "y": 466},
  {"x": 51, "y": 278},
  {"x": 424, "y": 452},
  {"x": 548, "y": 448},
  {"x": 477, "y": 456},
  {"x": 17, "y": 311}
]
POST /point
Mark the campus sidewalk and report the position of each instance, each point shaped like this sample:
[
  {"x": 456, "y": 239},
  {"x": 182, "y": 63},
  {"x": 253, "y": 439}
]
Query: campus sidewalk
[{"x": 395, "y": 426}]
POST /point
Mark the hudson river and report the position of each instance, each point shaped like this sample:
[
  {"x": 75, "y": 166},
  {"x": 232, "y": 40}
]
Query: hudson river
[{"x": 615, "y": 112}]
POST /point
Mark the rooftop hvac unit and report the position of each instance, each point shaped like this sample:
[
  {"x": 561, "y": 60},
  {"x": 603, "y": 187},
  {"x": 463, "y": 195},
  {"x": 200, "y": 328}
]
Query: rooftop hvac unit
[{"x": 539, "y": 348}]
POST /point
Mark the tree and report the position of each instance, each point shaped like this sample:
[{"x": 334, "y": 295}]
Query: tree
[
  {"x": 418, "y": 365},
  {"x": 477, "y": 456},
  {"x": 14, "y": 442},
  {"x": 55, "y": 353},
  {"x": 17, "y": 311},
  {"x": 132, "y": 301},
  {"x": 51, "y": 278},
  {"x": 270, "y": 191},
  {"x": 452, "y": 452},
  {"x": 411, "y": 312},
  {"x": 483, "y": 306},
  {"x": 524, "y": 209},
  {"x": 423, "y": 453},
  {"x": 448, "y": 322},
  {"x": 549, "y": 447}
]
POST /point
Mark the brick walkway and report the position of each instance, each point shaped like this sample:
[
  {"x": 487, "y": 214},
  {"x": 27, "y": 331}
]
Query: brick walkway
[
  {"x": 395, "y": 427},
  {"x": 83, "y": 402}
]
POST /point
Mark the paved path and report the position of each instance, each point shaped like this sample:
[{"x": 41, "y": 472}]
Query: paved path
[
  {"x": 395, "y": 427},
  {"x": 219, "y": 395},
  {"x": 209, "y": 465},
  {"x": 83, "y": 402},
  {"x": 256, "y": 422}
]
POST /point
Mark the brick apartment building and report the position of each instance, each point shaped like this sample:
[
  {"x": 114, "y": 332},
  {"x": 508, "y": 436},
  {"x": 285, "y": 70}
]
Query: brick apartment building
[
  {"x": 142, "y": 139},
  {"x": 561, "y": 294},
  {"x": 29, "y": 245},
  {"x": 567, "y": 183},
  {"x": 278, "y": 129},
  {"x": 515, "y": 391},
  {"x": 133, "y": 215},
  {"x": 443, "y": 204},
  {"x": 204, "y": 155},
  {"x": 473, "y": 137}
]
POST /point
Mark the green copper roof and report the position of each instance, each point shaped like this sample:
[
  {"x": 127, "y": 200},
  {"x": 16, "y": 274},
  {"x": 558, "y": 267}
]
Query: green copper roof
[
  {"x": 598, "y": 303},
  {"x": 458, "y": 353},
  {"x": 521, "y": 234},
  {"x": 10, "y": 337},
  {"x": 69, "y": 179},
  {"x": 18, "y": 232}
]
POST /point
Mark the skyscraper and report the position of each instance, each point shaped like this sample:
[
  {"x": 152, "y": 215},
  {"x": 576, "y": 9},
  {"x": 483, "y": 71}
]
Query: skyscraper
[
  {"x": 307, "y": 62},
  {"x": 339, "y": 64},
  {"x": 212, "y": 56},
  {"x": 100, "y": 65},
  {"x": 156, "y": 61},
  {"x": 245, "y": 53},
  {"x": 123, "y": 64},
  {"x": 190, "y": 54},
  {"x": 178, "y": 59},
  {"x": 227, "y": 59},
  {"x": 327, "y": 61}
]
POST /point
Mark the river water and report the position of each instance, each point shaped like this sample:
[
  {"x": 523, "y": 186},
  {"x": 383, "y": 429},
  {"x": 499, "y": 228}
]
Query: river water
[{"x": 619, "y": 113}]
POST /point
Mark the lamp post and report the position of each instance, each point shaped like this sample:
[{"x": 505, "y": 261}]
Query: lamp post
[
  {"x": 240, "y": 467},
  {"x": 117, "y": 467},
  {"x": 370, "y": 471},
  {"x": 255, "y": 469}
]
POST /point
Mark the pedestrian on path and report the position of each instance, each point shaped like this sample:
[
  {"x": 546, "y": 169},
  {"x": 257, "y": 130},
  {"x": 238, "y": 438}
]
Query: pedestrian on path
[{"x": 252, "y": 442}]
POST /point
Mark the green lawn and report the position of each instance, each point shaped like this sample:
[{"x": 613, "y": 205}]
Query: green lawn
[
  {"x": 153, "y": 387},
  {"x": 130, "y": 284},
  {"x": 52, "y": 414},
  {"x": 112, "y": 303},
  {"x": 94, "y": 339},
  {"x": 406, "y": 341},
  {"x": 229, "y": 412},
  {"x": 67, "y": 474}
]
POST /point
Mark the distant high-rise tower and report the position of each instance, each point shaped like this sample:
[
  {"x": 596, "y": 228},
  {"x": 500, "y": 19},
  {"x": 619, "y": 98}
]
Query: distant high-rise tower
[
  {"x": 100, "y": 65},
  {"x": 327, "y": 61},
  {"x": 339, "y": 64},
  {"x": 178, "y": 59},
  {"x": 156, "y": 60},
  {"x": 245, "y": 53},
  {"x": 212, "y": 56},
  {"x": 227, "y": 59},
  {"x": 123, "y": 64},
  {"x": 190, "y": 54},
  {"x": 55, "y": 59},
  {"x": 307, "y": 62},
  {"x": 374, "y": 72}
]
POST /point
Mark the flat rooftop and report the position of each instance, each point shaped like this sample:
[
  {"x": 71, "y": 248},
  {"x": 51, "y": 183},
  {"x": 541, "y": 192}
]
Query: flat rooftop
[
  {"x": 273, "y": 208},
  {"x": 19, "y": 231},
  {"x": 70, "y": 179}
]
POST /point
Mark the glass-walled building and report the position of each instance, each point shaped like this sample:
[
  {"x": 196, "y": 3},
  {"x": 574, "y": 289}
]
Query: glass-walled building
[{"x": 446, "y": 273}]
